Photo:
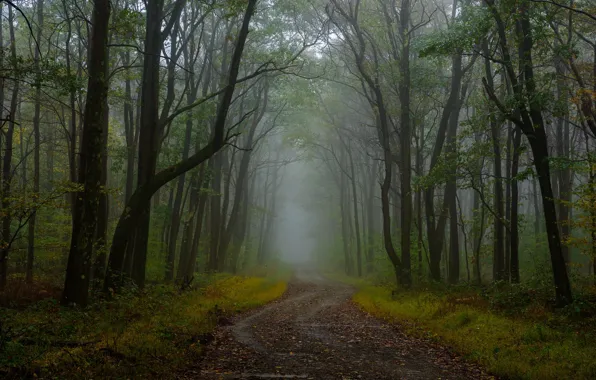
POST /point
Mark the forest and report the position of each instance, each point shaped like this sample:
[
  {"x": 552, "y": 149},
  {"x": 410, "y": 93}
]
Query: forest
[{"x": 426, "y": 167}]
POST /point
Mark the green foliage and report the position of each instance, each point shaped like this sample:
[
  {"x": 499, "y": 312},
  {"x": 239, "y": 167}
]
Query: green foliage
[
  {"x": 463, "y": 34},
  {"x": 128, "y": 24}
]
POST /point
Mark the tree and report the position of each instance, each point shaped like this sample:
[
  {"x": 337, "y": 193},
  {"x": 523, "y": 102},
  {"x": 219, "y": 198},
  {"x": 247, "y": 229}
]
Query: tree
[
  {"x": 84, "y": 227},
  {"x": 139, "y": 201},
  {"x": 528, "y": 117}
]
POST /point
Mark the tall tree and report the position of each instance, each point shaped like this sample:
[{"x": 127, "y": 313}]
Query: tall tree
[{"x": 84, "y": 226}]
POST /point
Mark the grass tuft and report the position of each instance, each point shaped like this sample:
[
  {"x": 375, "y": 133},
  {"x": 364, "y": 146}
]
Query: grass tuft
[{"x": 544, "y": 346}]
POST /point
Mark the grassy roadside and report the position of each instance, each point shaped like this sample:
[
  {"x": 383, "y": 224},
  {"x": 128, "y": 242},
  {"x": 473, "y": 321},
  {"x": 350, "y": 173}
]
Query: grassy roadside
[
  {"x": 530, "y": 343},
  {"x": 149, "y": 335}
]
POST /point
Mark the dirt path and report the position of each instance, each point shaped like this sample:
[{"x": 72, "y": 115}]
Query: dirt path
[{"x": 316, "y": 332}]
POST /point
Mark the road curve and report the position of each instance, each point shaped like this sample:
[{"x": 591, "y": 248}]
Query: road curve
[{"x": 315, "y": 332}]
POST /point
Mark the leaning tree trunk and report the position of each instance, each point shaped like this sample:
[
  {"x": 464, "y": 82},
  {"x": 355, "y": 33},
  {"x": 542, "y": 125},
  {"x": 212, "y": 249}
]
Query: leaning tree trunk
[{"x": 140, "y": 200}]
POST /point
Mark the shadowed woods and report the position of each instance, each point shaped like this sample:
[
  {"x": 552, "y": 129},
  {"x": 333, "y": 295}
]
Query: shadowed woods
[{"x": 165, "y": 163}]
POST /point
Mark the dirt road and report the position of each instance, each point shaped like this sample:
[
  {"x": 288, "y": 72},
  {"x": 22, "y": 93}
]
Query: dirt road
[{"x": 316, "y": 332}]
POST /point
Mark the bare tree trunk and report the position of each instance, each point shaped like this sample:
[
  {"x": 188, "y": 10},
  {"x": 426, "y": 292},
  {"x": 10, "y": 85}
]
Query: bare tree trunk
[
  {"x": 215, "y": 212},
  {"x": 499, "y": 238},
  {"x": 451, "y": 191},
  {"x": 84, "y": 226},
  {"x": 419, "y": 195},
  {"x": 149, "y": 132},
  {"x": 200, "y": 217},
  {"x": 271, "y": 216},
  {"x": 537, "y": 213},
  {"x": 103, "y": 215},
  {"x": 405, "y": 144},
  {"x": 7, "y": 238},
  {"x": 514, "y": 266},
  {"x": 356, "y": 217},
  {"x": 177, "y": 207},
  {"x": 261, "y": 252},
  {"x": 370, "y": 217},
  {"x": 509, "y": 184},
  {"x": 36, "y": 142}
]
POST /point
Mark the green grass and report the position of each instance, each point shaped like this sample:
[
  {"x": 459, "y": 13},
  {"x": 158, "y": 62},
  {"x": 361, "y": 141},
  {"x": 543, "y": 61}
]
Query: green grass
[
  {"x": 535, "y": 344},
  {"x": 152, "y": 335}
]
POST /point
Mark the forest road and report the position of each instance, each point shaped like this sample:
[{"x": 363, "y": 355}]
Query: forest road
[{"x": 315, "y": 332}]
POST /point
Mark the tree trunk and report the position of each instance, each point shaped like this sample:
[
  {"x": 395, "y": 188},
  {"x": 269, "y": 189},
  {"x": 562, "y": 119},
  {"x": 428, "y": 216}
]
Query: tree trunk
[
  {"x": 370, "y": 256},
  {"x": 499, "y": 238},
  {"x": 72, "y": 131},
  {"x": 509, "y": 184},
  {"x": 103, "y": 216},
  {"x": 261, "y": 249},
  {"x": 215, "y": 212},
  {"x": 7, "y": 237},
  {"x": 436, "y": 228},
  {"x": 405, "y": 144},
  {"x": 84, "y": 226},
  {"x": 149, "y": 132},
  {"x": 36, "y": 147},
  {"x": 514, "y": 265},
  {"x": 200, "y": 217},
  {"x": 271, "y": 215},
  {"x": 419, "y": 195},
  {"x": 356, "y": 217}
]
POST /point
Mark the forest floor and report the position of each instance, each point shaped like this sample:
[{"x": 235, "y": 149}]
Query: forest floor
[
  {"x": 150, "y": 334},
  {"x": 315, "y": 331}
]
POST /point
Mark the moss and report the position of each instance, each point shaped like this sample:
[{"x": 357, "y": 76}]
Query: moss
[{"x": 508, "y": 346}]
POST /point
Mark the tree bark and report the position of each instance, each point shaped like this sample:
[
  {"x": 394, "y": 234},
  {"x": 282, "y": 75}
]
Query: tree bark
[
  {"x": 405, "y": 144},
  {"x": 370, "y": 256},
  {"x": 84, "y": 227},
  {"x": 36, "y": 142},
  {"x": 7, "y": 237},
  {"x": 514, "y": 265}
]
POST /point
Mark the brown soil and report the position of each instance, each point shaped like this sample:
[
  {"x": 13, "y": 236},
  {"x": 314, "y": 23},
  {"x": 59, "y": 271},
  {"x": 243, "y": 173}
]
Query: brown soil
[{"x": 315, "y": 332}]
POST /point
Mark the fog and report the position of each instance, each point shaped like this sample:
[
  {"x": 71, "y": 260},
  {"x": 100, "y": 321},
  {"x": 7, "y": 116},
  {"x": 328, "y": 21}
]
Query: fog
[
  {"x": 296, "y": 235},
  {"x": 404, "y": 141}
]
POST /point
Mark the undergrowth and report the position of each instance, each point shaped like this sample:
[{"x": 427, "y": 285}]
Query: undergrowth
[
  {"x": 511, "y": 330},
  {"x": 149, "y": 335}
]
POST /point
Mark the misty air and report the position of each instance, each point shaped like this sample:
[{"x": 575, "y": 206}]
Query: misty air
[{"x": 298, "y": 189}]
